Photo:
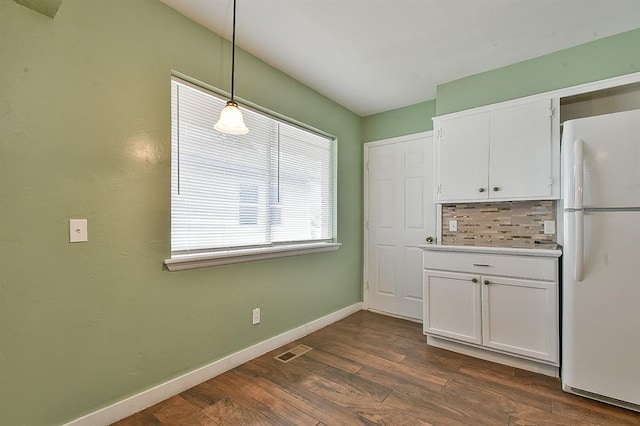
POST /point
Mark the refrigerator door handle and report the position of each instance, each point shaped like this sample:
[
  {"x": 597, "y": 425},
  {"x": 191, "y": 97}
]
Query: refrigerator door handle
[
  {"x": 579, "y": 245},
  {"x": 578, "y": 181},
  {"x": 578, "y": 173}
]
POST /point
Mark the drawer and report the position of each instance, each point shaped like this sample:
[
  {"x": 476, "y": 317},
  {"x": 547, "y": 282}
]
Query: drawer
[{"x": 538, "y": 268}]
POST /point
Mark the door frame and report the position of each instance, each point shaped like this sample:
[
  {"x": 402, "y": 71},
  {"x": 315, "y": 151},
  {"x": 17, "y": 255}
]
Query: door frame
[{"x": 365, "y": 205}]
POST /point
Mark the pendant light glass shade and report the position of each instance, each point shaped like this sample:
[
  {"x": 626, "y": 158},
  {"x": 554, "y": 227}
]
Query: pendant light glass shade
[{"x": 231, "y": 121}]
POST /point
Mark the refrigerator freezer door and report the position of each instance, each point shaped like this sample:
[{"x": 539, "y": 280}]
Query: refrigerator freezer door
[
  {"x": 601, "y": 313},
  {"x": 611, "y": 147}
]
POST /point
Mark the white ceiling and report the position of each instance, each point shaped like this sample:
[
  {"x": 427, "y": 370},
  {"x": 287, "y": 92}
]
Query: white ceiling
[{"x": 376, "y": 55}]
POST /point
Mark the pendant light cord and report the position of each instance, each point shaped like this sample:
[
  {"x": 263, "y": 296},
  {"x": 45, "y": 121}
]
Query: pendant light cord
[
  {"x": 231, "y": 121},
  {"x": 233, "y": 52}
]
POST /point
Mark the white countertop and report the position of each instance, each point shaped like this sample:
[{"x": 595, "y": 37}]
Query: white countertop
[{"x": 550, "y": 251}]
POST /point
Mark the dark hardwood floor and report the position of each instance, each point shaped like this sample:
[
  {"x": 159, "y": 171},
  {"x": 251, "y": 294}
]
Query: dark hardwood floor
[{"x": 372, "y": 369}]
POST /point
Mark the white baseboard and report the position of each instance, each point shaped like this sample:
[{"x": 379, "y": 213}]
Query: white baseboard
[
  {"x": 145, "y": 399},
  {"x": 389, "y": 314}
]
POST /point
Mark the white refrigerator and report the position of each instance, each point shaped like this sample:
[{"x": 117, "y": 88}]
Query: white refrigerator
[{"x": 601, "y": 258}]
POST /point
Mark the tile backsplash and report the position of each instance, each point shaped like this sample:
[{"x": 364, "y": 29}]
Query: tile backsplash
[{"x": 500, "y": 224}]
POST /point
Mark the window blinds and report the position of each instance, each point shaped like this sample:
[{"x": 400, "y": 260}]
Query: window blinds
[{"x": 273, "y": 185}]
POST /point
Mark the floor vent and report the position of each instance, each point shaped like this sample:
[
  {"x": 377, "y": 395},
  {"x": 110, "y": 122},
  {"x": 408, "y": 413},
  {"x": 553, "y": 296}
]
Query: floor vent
[{"x": 293, "y": 353}]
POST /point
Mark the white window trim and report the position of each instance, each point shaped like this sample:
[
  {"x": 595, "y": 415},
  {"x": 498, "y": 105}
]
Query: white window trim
[{"x": 204, "y": 260}]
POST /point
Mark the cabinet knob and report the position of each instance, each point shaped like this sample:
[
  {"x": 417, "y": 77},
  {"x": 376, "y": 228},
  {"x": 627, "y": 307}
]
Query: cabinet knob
[
  {"x": 481, "y": 190},
  {"x": 429, "y": 239},
  {"x": 496, "y": 188},
  {"x": 486, "y": 282},
  {"x": 474, "y": 280}
]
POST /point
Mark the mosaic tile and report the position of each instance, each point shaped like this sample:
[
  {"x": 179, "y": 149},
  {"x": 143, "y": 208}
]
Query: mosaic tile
[{"x": 503, "y": 224}]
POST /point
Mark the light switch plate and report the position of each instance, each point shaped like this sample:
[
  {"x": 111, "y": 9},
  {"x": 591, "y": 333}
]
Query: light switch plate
[
  {"x": 453, "y": 225},
  {"x": 78, "y": 231},
  {"x": 549, "y": 227}
]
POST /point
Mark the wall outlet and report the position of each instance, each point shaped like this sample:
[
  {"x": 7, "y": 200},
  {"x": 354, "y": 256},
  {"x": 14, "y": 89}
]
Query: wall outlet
[
  {"x": 549, "y": 227},
  {"x": 453, "y": 225},
  {"x": 256, "y": 316}
]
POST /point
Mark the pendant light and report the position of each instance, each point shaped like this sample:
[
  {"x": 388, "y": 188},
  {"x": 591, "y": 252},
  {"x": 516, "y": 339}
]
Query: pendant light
[{"x": 231, "y": 121}]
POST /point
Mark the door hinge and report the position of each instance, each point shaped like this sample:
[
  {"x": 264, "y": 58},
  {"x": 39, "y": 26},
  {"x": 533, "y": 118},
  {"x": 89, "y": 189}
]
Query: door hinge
[
  {"x": 367, "y": 225},
  {"x": 367, "y": 284},
  {"x": 552, "y": 112},
  {"x": 439, "y": 132},
  {"x": 367, "y": 165},
  {"x": 438, "y": 188}
]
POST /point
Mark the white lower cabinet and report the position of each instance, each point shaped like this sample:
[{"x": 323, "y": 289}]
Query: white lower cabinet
[
  {"x": 454, "y": 306},
  {"x": 477, "y": 299},
  {"x": 520, "y": 317}
]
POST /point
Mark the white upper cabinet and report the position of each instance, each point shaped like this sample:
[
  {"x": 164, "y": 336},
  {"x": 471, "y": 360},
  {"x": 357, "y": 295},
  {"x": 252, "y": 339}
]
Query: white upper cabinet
[
  {"x": 520, "y": 151},
  {"x": 508, "y": 151},
  {"x": 463, "y": 158}
]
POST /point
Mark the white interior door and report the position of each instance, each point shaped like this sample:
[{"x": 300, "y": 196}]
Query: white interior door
[{"x": 401, "y": 215}]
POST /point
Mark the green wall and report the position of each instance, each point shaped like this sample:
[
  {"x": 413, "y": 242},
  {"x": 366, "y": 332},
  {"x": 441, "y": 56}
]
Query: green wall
[
  {"x": 85, "y": 133},
  {"x": 399, "y": 122},
  {"x": 597, "y": 60}
]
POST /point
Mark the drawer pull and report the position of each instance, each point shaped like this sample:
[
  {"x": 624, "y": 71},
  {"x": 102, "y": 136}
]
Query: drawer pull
[
  {"x": 486, "y": 282},
  {"x": 481, "y": 264},
  {"x": 474, "y": 280}
]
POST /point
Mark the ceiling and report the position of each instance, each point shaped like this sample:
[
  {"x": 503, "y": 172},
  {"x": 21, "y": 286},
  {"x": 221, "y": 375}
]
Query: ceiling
[{"x": 376, "y": 55}]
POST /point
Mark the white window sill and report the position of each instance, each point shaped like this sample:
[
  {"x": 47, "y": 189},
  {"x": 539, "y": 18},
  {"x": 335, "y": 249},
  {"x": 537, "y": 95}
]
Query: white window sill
[{"x": 193, "y": 261}]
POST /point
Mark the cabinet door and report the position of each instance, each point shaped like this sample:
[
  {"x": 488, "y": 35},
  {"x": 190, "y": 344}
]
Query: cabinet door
[
  {"x": 520, "y": 316},
  {"x": 520, "y": 151},
  {"x": 452, "y": 306},
  {"x": 462, "y": 158}
]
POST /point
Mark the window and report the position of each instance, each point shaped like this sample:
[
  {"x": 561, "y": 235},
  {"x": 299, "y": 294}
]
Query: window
[
  {"x": 248, "y": 205},
  {"x": 268, "y": 191}
]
